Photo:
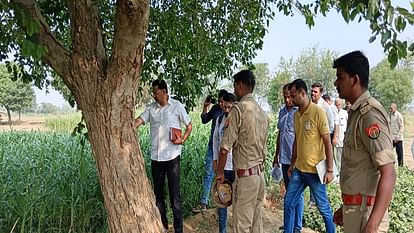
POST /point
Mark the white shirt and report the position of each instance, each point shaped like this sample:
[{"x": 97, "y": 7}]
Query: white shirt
[
  {"x": 397, "y": 126},
  {"x": 343, "y": 118},
  {"x": 161, "y": 119},
  {"x": 217, "y": 137},
  {"x": 328, "y": 110}
]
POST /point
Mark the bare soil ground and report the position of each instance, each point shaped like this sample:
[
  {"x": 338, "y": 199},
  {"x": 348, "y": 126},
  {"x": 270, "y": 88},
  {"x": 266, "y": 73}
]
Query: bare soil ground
[
  {"x": 26, "y": 123},
  {"x": 206, "y": 222}
]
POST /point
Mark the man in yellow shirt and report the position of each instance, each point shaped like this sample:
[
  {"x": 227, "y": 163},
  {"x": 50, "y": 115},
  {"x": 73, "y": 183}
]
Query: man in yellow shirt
[{"x": 312, "y": 145}]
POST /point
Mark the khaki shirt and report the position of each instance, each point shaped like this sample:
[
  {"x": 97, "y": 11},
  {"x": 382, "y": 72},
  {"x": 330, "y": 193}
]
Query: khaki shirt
[
  {"x": 246, "y": 133},
  {"x": 367, "y": 146}
]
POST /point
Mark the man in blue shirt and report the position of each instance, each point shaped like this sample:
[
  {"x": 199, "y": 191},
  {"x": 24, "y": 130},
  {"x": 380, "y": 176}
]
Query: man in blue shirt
[
  {"x": 284, "y": 144},
  {"x": 207, "y": 116}
]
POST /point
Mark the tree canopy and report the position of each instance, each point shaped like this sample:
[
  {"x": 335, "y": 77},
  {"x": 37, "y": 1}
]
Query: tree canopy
[
  {"x": 15, "y": 95},
  {"x": 392, "y": 85}
]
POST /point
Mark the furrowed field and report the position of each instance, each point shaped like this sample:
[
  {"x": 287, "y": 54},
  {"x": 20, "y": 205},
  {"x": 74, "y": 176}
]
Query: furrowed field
[{"x": 49, "y": 181}]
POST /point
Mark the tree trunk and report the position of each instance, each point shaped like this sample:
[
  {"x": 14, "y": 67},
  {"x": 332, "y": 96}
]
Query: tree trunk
[
  {"x": 9, "y": 116},
  {"x": 105, "y": 90},
  {"x": 128, "y": 195},
  {"x": 19, "y": 115}
]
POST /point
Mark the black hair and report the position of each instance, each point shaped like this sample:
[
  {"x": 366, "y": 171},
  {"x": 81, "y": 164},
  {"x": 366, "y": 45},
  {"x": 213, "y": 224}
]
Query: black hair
[
  {"x": 299, "y": 84},
  {"x": 354, "y": 63},
  {"x": 318, "y": 85},
  {"x": 229, "y": 97},
  {"x": 326, "y": 97},
  {"x": 246, "y": 77},
  {"x": 286, "y": 86},
  {"x": 161, "y": 84},
  {"x": 221, "y": 93}
]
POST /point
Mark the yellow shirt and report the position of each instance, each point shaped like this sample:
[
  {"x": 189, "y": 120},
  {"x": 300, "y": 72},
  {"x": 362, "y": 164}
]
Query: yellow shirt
[{"x": 309, "y": 128}]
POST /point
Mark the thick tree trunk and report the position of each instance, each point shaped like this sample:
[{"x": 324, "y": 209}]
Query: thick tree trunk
[
  {"x": 128, "y": 195},
  {"x": 105, "y": 90}
]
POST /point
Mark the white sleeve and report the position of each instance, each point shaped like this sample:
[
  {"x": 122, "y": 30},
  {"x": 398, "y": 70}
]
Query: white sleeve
[{"x": 216, "y": 140}]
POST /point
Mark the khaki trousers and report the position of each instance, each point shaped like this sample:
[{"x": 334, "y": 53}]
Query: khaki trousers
[
  {"x": 356, "y": 217},
  {"x": 248, "y": 195}
]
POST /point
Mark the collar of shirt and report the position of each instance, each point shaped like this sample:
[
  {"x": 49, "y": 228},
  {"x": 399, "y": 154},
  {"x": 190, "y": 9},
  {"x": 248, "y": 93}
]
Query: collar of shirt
[
  {"x": 361, "y": 99},
  {"x": 247, "y": 96}
]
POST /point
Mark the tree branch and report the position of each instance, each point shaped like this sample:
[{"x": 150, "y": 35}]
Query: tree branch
[
  {"x": 87, "y": 39},
  {"x": 131, "y": 25},
  {"x": 56, "y": 55}
]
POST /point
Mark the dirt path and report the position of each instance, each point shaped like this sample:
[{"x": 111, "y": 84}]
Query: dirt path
[{"x": 26, "y": 123}]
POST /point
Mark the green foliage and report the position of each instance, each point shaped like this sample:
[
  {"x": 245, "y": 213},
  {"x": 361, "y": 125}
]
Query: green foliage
[
  {"x": 392, "y": 85},
  {"x": 49, "y": 184},
  {"x": 275, "y": 93},
  {"x": 401, "y": 216},
  {"x": 312, "y": 65},
  {"x": 14, "y": 95},
  {"x": 64, "y": 123},
  {"x": 386, "y": 20},
  {"x": 190, "y": 43},
  {"x": 193, "y": 43},
  {"x": 315, "y": 65},
  {"x": 401, "y": 213}
]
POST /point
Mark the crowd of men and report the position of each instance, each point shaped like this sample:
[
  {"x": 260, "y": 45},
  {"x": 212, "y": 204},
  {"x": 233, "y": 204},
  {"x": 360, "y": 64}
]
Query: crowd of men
[{"x": 316, "y": 138}]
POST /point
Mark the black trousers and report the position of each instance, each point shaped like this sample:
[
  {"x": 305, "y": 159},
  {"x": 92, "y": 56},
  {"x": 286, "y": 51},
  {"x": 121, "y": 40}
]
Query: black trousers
[
  {"x": 400, "y": 155},
  {"x": 171, "y": 169}
]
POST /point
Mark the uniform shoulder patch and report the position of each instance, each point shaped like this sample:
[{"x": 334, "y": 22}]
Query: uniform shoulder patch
[
  {"x": 365, "y": 107},
  {"x": 373, "y": 131}
]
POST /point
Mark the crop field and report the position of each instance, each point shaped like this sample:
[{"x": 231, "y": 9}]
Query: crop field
[{"x": 49, "y": 181}]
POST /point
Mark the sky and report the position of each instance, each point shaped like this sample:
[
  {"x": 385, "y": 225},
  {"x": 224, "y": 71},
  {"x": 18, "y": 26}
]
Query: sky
[{"x": 287, "y": 36}]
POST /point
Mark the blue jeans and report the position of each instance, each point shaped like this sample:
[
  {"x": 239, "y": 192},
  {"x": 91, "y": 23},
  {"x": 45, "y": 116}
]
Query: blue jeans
[
  {"x": 208, "y": 175},
  {"x": 298, "y": 182},
  {"x": 222, "y": 212},
  {"x": 299, "y": 207}
]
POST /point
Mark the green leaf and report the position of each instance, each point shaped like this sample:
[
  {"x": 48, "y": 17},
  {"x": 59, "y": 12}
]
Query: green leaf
[
  {"x": 372, "y": 39},
  {"x": 393, "y": 58},
  {"x": 411, "y": 48},
  {"x": 385, "y": 36}
]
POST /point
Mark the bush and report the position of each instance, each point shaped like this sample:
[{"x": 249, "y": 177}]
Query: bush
[{"x": 401, "y": 214}]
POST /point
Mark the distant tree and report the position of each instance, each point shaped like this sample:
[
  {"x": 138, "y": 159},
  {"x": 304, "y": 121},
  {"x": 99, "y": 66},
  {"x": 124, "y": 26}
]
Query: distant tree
[
  {"x": 14, "y": 95},
  {"x": 312, "y": 65},
  {"x": 392, "y": 85},
  {"x": 274, "y": 94},
  {"x": 263, "y": 77},
  {"x": 315, "y": 65},
  {"x": 48, "y": 108}
]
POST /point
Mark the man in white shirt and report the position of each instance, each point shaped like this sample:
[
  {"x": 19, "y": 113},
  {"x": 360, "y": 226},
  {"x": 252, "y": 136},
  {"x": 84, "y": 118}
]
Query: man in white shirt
[
  {"x": 342, "y": 121},
  {"x": 164, "y": 115},
  {"x": 397, "y": 132},
  {"x": 221, "y": 124}
]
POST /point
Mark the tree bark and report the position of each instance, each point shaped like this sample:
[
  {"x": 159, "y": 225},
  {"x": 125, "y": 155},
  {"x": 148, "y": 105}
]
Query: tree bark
[
  {"x": 9, "y": 116},
  {"x": 105, "y": 91}
]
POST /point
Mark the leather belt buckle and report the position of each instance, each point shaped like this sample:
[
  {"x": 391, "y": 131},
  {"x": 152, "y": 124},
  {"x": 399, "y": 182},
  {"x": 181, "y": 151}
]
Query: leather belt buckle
[{"x": 250, "y": 171}]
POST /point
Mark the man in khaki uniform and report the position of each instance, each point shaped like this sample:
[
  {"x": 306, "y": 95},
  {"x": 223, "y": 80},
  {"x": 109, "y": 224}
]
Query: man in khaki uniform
[
  {"x": 367, "y": 175},
  {"x": 246, "y": 136}
]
